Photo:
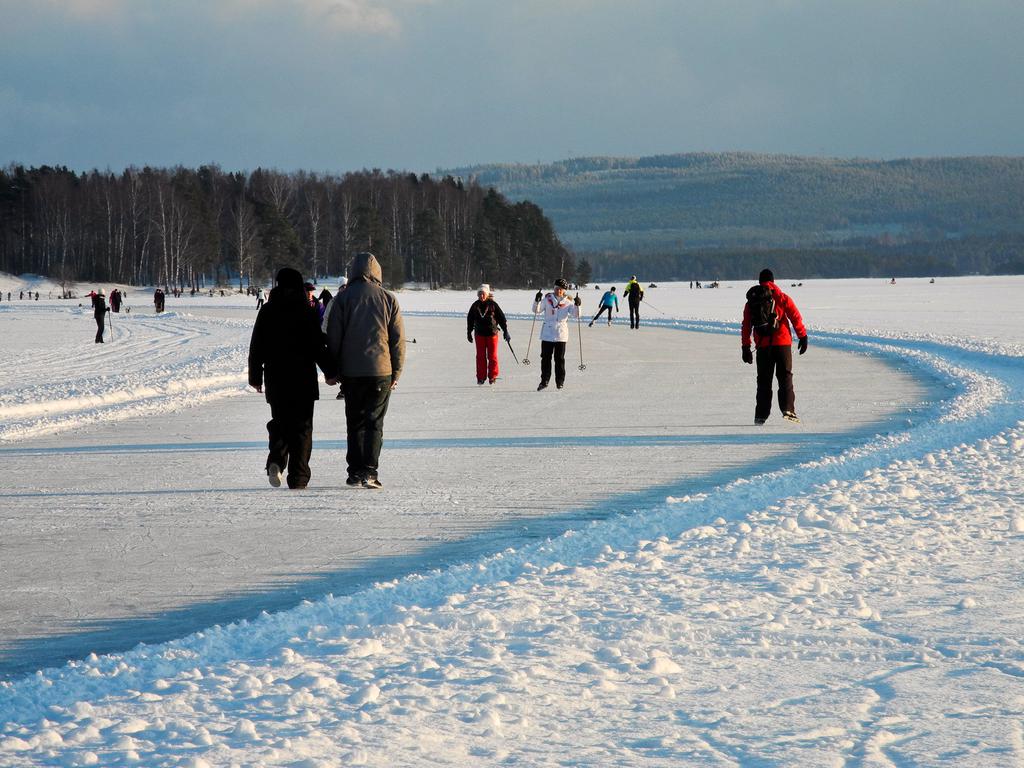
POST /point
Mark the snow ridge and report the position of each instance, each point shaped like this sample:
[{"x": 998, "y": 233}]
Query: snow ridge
[{"x": 140, "y": 371}]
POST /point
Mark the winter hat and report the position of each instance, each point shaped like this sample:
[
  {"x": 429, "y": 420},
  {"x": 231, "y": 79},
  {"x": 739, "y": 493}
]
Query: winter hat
[
  {"x": 309, "y": 287},
  {"x": 343, "y": 283},
  {"x": 613, "y": 289},
  {"x": 562, "y": 283},
  {"x": 289, "y": 278},
  {"x": 100, "y": 292},
  {"x": 484, "y": 288},
  {"x": 766, "y": 276}
]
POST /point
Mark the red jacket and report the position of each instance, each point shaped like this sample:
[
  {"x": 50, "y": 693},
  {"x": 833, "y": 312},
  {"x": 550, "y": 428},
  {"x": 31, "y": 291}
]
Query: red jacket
[{"x": 787, "y": 312}]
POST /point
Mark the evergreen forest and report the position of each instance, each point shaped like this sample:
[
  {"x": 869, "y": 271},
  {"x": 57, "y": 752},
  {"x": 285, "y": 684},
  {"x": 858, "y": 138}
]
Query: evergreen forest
[{"x": 201, "y": 227}]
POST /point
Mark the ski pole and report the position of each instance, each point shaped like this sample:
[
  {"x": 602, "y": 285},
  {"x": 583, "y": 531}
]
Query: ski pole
[
  {"x": 110, "y": 319},
  {"x": 579, "y": 332},
  {"x": 533, "y": 325},
  {"x": 655, "y": 308},
  {"x": 509, "y": 342}
]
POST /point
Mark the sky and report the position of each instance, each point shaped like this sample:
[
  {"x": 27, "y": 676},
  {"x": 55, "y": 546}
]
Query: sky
[{"x": 338, "y": 85}]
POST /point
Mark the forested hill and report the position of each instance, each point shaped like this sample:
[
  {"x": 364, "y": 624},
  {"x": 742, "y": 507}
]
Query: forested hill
[
  {"x": 671, "y": 203},
  {"x": 182, "y": 226}
]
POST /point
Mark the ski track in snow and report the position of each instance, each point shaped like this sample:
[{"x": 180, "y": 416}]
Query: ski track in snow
[
  {"x": 860, "y": 609},
  {"x": 153, "y": 366}
]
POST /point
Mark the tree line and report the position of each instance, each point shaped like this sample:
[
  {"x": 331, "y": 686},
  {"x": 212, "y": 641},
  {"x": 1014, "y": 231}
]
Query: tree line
[{"x": 197, "y": 227}]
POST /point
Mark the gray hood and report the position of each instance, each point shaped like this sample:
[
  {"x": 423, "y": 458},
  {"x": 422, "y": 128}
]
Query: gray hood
[{"x": 365, "y": 265}]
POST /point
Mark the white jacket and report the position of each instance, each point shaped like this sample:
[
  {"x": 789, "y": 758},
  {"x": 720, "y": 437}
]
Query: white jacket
[{"x": 556, "y": 316}]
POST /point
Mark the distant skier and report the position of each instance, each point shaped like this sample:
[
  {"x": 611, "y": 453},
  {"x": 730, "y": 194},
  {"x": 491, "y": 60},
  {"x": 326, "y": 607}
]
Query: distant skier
[
  {"x": 634, "y": 295},
  {"x": 115, "y": 301},
  {"x": 608, "y": 300},
  {"x": 314, "y": 303},
  {"x": 768, "y": 315},
  {"x": 99, "y": 312},
  {"x": 326, "y": 319},
  {"x": 485, "y": 318},
  {"x": 158, "y": 300},
  {"x": 260, "y": 298},
  {"x": 286, "y": 347},
  {"x": 557, "y": 309},
  {"x": 324, "y": 298}
]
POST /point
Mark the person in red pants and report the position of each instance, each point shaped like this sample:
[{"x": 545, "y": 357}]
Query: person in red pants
[{"x": 484, "y": 319}]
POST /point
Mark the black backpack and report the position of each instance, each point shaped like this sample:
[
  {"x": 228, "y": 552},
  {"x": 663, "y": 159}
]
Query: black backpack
[{"x": 764, "y": 320}]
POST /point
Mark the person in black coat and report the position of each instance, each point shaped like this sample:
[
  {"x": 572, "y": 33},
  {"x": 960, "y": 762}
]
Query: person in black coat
[
  {"x": 99, "y": 311},
  {"x": 286, "y": 347}
]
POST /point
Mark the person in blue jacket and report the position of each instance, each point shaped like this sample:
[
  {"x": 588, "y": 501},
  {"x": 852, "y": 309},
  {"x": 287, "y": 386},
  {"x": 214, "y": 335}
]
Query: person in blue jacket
[{"x": 610, "y": 298}]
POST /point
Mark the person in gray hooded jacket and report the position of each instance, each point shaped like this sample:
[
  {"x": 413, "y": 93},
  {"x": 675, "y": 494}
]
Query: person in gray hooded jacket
[{"x": 366, "y": 340}]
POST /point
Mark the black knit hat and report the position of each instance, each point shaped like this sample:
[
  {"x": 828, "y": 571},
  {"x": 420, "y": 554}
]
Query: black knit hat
[
  {"x": 766, "y": 276},
  {"x": 289, "y": 278},
  {"x": 562, "y": 283}
]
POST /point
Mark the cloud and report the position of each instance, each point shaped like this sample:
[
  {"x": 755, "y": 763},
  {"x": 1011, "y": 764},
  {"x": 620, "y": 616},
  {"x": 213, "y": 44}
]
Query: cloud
[
  {"x": 376, "y": 17},
  {"x": 87, "y": 9}
]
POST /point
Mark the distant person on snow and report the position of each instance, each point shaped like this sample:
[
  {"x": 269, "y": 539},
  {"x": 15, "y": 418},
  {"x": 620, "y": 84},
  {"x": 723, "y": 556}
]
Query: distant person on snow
[
  {"x": 99, "y": 311},
  {"x": 324, "y": 299},
  {"x": 484, "y": 319},
  {"x": 158, "y": 300},
  {"x": 768, "y": 315},
  {"x": 313, "y": 302},
  {"x": 366, "y": 342},
  {"x": 634, "y": 295},
  {"x": 286, "y": 347},
  {"x": 327, "y": 308},
  {"x": 115, "y": 301},
  {"x": 609, "y": 299},
  {"x": 260, "y": 298},
  {"x": 554, "y": 334},
  {"x": 326, "y": 318}
]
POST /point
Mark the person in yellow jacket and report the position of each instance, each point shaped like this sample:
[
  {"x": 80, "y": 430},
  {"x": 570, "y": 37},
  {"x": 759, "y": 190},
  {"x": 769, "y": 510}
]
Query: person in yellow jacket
[{"x": 634, "y": 295}]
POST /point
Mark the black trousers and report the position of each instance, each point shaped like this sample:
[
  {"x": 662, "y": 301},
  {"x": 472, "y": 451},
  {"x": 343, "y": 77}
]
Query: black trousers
[
  {"x": 291, "y": 439},
  {"x": 366, "y": 403},
  {"x": 634, "y": 314},
  {"x": 100, "y": 321},
  {"x": 774, "y": 363},
  {"x": 549, "y": 349},
  {"x": 601, "y": 312}
]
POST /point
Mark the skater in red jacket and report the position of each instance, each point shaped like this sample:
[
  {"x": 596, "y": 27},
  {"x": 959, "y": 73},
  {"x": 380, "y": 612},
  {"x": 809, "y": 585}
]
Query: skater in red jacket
[{"x": 767, "y": 316}]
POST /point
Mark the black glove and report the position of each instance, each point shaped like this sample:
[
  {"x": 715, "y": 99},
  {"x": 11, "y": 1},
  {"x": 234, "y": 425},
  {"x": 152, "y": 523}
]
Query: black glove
[
  {"x": 577, "y": 301},
  {"x": 507, "y": 337},
  {"x": 801, "y": 344},
  {"x": 469, "y": 336},
  {"x": 748, "y": 356},
  {"x": 538, "y": 297}
]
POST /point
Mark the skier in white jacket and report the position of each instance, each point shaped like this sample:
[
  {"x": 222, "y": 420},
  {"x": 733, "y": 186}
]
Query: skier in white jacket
[{"x": 557, "y": 308}]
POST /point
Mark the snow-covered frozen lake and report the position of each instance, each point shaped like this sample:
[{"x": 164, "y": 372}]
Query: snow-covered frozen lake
[{"x": 622, "y": 572}]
